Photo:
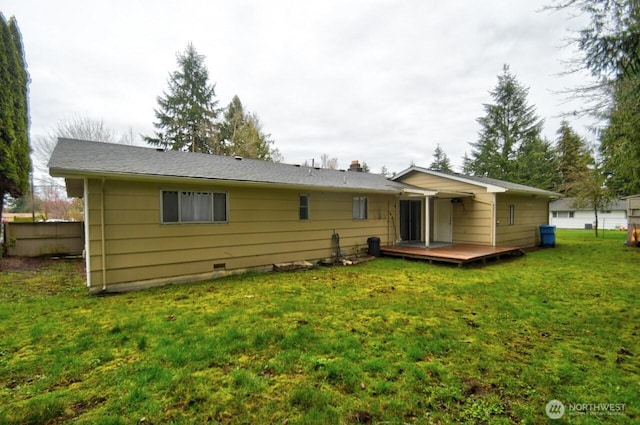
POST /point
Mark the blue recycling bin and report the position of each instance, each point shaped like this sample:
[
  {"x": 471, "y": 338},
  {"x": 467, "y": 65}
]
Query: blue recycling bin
[{"x": 548, "y": 236}]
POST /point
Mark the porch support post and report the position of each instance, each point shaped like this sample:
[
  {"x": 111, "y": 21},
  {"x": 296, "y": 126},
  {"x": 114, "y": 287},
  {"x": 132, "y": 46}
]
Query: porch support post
[
  {"x": 494, "y": 224},
  {"x": 427, "y": 220}
]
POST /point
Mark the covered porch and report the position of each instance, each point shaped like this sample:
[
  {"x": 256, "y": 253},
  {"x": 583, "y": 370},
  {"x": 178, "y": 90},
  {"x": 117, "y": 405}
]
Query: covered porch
[
  {"x": 426, "y": 218},
  {"x": 459, "y": 254}
]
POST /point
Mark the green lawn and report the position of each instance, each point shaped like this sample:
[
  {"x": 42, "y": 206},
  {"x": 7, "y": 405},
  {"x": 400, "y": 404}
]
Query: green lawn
[{"x": 389, "y": 341}]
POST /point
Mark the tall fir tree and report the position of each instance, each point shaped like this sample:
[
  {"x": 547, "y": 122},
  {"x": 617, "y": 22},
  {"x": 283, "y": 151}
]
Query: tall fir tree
[
  {"x": 620, "y": 140},
  {"x": 536, "y": 164},
  {"x": 440, "y": 161},
  {"x": 229, "y": 129},
  {"x": 574, "y": 158},
  {"x": 240, "y": 133},
  {"x": 186, "y": 113},
  {"x": 509, "y": 123},
  {"x": 610, "y": 49},
  {"x": 15, "y": 164}
]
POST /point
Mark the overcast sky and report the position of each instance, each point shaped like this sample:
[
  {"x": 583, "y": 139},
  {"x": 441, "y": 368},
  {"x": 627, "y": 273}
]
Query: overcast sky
[{"x": 378, "y": 81}]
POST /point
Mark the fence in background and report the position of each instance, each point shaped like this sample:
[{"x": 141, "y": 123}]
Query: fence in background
[{"x": 42, "y": 239}]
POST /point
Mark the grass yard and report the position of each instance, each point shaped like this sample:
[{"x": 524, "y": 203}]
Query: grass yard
[{"x": 390, "y": 341}]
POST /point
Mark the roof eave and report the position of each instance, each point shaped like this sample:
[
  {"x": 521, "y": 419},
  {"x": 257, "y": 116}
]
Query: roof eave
[
  {"x": 490, "y": 188},
  {"x": 542, "y": 193},
  {"x": 80, "y": 174}
]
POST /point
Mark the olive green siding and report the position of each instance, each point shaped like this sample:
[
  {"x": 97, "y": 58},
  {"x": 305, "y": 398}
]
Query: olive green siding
[
  {"x": 529, "y": 213},
  {"x": 428, "y": 181},
  {"x": 472, "y": 220},
  {"x": 263, "y": 228},
  {"x": 474, "y": 214}
]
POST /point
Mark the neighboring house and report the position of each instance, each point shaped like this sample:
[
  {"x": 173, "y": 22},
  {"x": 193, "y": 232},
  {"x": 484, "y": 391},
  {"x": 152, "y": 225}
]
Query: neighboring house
[
  {"x": 564, "y": 215},
  {"x": 471, "y": 210},
  {"x": 154, "y": 217}
]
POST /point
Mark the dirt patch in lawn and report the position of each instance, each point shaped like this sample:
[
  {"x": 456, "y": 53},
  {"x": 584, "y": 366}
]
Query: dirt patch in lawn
[{"x": 24, "y": 264}]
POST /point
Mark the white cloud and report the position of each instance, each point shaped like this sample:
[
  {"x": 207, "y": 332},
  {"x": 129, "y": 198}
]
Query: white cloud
[{"x": 378, "y": 81}]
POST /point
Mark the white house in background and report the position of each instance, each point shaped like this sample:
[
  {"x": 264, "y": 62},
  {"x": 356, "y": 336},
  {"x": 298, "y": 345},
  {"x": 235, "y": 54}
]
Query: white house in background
[{"x": 564, "y": 215}]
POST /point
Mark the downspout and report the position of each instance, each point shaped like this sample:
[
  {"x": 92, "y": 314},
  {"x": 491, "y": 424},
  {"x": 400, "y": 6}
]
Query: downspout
[
  {"x": 102, "y": 239},
  {"x": 87, "y": 239}
]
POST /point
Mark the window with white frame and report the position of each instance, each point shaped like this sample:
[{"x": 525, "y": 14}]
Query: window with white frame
[
  {"x": 304, "y": 207},
  {"x": 562, "y": 214},
  {"x": 512, "y": 214},
  {"x": 360, "y": 208},
  {"x": 193, "y": 207}
]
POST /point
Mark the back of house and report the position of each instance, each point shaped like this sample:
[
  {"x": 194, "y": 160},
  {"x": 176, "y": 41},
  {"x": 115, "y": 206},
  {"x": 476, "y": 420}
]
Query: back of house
[{"x": 154, "y": 217}]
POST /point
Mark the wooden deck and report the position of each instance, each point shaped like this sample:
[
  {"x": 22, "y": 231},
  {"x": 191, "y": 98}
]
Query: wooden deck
[{"x": 458, "y": 253}]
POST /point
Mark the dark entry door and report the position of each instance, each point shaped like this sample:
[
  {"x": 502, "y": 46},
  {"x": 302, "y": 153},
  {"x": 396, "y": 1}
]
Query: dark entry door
[{"x": 410, "y": 220}]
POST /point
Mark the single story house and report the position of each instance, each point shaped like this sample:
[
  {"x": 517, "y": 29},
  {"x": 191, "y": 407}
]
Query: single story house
[
  {"x": 564, "y": 215},
  {"x": 154, "y": 217}
]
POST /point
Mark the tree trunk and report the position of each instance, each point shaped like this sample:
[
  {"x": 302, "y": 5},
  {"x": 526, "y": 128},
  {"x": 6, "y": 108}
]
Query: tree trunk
[{"x": 595, "y": 213}]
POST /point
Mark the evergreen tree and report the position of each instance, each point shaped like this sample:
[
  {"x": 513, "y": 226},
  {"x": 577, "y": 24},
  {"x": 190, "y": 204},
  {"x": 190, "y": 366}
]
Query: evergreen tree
[
  {"x": 230, "y": 128},
  {"x": 14, "y": 143},
  {"x": 573, "y": 158},
  {"x": 21, "y": 109},
  {"x": 537, "y": 164},
  {"x": 620, "y": 141},
  {"x": 240, "y": 133},
  {"x": 186, "y": 114},
  {"x": 440, "y": 161},
  {"x": 610, "y": 48},
  {"x": 467, "y": 164},
  {"x": 508, "y": 124}
]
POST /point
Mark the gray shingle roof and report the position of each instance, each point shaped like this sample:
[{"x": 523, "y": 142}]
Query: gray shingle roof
[
  {"x": 566, "y": 204},
  {"x": 483, "y": 181},
  {"x": 79, "y": 157}
]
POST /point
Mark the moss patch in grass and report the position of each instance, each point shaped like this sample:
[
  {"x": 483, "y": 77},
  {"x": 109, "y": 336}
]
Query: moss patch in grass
[{"x": 389, "y": 341}]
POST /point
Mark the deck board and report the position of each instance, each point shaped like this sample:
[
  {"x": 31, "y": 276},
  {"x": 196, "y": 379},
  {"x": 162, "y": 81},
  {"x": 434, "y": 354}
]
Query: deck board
[{"x": 456, "y": 253}]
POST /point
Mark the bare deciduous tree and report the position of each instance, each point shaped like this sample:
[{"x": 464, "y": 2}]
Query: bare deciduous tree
[{"x": 79, "y": 127}]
